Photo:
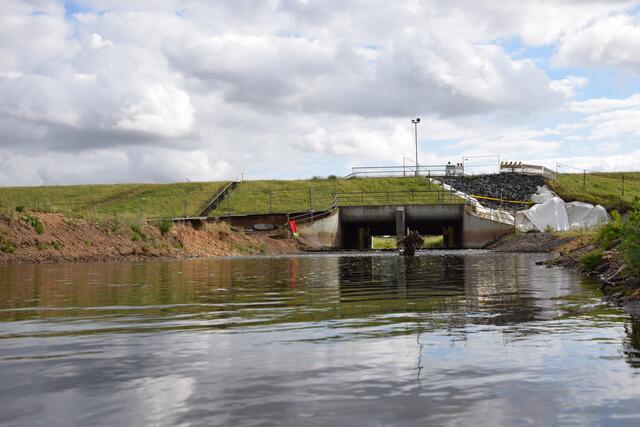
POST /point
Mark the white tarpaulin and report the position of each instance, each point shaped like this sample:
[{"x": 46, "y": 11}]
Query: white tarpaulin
[
  {"x": 557, "y": 215},
  {"x": 543, "y": 194},
  {"x": 552, "y": 213},
  {"x": 584, "y": 215}
]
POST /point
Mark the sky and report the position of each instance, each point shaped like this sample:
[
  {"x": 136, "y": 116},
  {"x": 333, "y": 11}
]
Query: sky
[{"x": 108, "y": 91}]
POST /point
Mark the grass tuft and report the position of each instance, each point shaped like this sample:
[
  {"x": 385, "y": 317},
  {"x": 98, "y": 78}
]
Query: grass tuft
[
  {"x": 34, "y": 222},
  {"x": 592, "y": 259}
]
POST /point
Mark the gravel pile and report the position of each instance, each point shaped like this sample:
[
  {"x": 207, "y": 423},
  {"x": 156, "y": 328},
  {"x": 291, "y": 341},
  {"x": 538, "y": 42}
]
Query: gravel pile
[
  {"x": 530, "y": 242},
  {"x": 502, "y": 186}
]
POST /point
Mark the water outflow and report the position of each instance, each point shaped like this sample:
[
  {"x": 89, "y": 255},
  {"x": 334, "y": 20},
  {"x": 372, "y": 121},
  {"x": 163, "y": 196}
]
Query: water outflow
[{"x": 445, "y": 338}]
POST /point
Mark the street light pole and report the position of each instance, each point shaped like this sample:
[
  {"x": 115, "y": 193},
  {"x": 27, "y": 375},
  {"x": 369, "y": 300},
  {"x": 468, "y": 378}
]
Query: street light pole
[{"x": 415, "y": 124}]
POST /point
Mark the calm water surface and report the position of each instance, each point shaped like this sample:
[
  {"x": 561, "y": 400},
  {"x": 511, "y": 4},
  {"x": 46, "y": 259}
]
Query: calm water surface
[{"x": 447, "y": 338}]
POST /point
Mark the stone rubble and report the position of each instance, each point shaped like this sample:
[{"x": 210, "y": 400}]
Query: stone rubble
[{"x": 503, "y": 186}]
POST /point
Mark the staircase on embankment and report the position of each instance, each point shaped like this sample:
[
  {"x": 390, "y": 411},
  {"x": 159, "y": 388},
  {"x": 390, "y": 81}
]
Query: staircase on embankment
[{"x": 218, "y": 198}]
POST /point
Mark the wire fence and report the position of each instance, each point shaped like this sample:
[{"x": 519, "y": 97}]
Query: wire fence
[
  {"x": 178, "y": 203},
  {"x": 591, "y": 185}
]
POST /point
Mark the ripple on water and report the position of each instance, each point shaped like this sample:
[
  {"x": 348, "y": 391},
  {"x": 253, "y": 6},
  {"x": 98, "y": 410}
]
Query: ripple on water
[{"x": 456, "y": 338}]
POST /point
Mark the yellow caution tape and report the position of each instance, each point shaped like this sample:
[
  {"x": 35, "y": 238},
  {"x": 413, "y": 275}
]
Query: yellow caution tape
[{"x": 501, "y": 200}]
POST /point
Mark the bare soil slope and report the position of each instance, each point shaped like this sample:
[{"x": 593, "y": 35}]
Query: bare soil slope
[{"x": 44, "y": 238}]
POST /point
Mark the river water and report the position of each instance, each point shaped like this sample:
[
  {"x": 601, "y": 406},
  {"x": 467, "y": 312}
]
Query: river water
[{"x": 447, "y": 338}]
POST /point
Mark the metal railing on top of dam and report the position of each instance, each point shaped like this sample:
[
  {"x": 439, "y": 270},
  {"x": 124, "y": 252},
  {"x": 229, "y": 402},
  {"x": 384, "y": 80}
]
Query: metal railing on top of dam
[{"x": 401, "y": 171}]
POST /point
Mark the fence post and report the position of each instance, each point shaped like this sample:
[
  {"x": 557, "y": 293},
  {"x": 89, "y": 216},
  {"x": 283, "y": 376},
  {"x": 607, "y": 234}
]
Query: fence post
[{"x": 185, "y": 202}]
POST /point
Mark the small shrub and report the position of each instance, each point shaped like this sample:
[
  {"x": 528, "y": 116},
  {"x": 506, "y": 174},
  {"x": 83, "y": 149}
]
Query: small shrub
[
  {"x": 20, "y": 209},
  {"x": 34, "y": 222},
  {"x": 137, "y": 234},
  {"x": 630, "y": 246},
  {"x": 610, "y": 232},
  {"x": 549, "y": 229},
  {"x": 591, "y": 260},
  {"x": 57, "y": 245},
  {"x": 7, "y": 247},
  {"x": 332, "y": 177},
  {"x": 165, "y": 226}
]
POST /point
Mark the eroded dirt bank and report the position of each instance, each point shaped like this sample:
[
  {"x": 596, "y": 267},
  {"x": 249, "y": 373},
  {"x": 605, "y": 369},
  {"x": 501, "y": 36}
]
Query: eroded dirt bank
[{"x": 29, "y": 237}]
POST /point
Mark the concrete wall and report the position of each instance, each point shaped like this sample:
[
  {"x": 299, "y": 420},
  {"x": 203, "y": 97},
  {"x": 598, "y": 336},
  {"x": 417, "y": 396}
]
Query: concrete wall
[
  {"x": 324, "y": 232},
  {"x": 352, "y": 226},
  {"x": 478, "y": 232},
  {"x": 462, "y": 228},
  {"x": 413, "y": 213}
]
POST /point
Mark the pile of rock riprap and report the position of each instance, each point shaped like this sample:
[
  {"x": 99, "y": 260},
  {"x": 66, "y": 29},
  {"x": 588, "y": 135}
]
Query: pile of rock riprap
[{"x": 502, "y": 186}]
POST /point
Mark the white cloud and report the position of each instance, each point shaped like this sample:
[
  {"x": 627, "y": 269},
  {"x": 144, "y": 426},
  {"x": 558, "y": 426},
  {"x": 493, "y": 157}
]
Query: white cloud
[
  {"x": 175, "y": 89},
  {"x": 614, "y": 40},
  {"x": 596, "y": 105},
  {"x": 569, "y": 85}
]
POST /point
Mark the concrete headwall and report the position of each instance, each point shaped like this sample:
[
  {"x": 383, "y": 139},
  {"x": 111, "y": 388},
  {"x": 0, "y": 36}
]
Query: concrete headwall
[
  {"x": 324, "y": 232},
  {"x": 478, "y": 232},
  {"x": 414, "y": 213}
]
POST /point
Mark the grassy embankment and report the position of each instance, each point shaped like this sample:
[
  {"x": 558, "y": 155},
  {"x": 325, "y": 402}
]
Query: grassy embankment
[
  {"x": 621, "y": 235},
  {"x": 127, "y": 200},
  {"x": 179, "y": 199},
  {"x": 302, "y": 195},
  {"x": 599, "y": 188}
]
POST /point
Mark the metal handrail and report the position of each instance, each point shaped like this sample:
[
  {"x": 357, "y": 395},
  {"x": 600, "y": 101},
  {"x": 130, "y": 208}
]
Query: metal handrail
[
  {"x": 425, "y": 167},
  {"x": 314, "y": 214},
  {"x": 430, "y": 170},
  {"x": 220, "y": 194}
]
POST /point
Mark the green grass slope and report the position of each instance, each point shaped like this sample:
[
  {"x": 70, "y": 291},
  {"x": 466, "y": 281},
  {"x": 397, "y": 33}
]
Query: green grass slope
[
  {"x": 599, "y": 188},
  {"x": 301, "y": 195},
  {"x": 164, "y": 200}
]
